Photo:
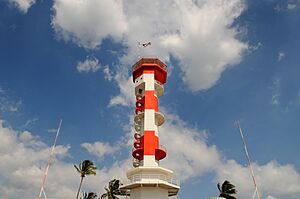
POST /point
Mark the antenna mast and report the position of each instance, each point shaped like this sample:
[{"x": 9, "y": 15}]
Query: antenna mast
[
  {"x": 42, "y": 191},
  {"x": 249, "y": 161}
]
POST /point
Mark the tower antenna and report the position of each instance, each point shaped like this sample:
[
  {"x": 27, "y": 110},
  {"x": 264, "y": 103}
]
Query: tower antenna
[
  {"x": 256, "y": 191},
  {"x": 42, "y": 191}
]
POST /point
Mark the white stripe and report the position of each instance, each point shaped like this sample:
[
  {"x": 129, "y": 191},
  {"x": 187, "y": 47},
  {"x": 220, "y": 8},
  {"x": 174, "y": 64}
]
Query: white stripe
[
  {"x": 149, "y": 120},
  {"x": 149, "y": 79},
  {"x": 149, "y": 160}
]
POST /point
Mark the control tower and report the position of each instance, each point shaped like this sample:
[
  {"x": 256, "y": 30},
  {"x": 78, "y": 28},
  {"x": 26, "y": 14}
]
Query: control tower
[{"x": 148, "y": 180}]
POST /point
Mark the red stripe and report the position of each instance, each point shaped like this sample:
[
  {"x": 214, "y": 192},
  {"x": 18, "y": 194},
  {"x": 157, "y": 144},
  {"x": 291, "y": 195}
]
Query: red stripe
[
  {"x": 151, "y": 101},
  {"x": 150, "y": 142}
]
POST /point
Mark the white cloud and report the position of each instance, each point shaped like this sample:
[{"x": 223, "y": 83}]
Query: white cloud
[
  {"x": 100, "y": 149},
  {"x": 275, "y": 99},
  {"x": 30, "y": 122},
  {"x": 88, "y": 22},
  {"x": 288, "y": 6},
  {"x": 291, "y": 6},
  {"x": 7, "y": 103},
  {"x": 270, "y": 197},
  {"x": 126, "y": 86},
  {"x": 255, "y": 47},
  {"x": 275, "y": 88},
  {"x": 281, "y": 55},
  {"x": 277, "y": 8},
  {"x": 107, "y": 73},
  {"x": 51, "y": 130},
  {"x": 90, "y": 64},
  {"x": 237, "y": 175},
  {"x": 22, "y": 5},
  {"x": 23, "y": 158},
  {"x": 199, "y": 34},
  {"x": 273, "y": 179},
  {"x": 189, "y": 147},
  {"x": 196, "y": 33},
  {"x": 272, "y": 175}
]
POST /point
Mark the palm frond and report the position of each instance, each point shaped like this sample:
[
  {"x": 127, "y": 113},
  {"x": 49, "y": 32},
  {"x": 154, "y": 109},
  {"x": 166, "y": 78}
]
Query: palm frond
[
  {"x": 90, "y": 172},
  {"x": 103, "y": 195},
  {"x": 77, "y": 168},
  {"x": 112, "y": 191},
  {"x": 218, "y": 185},
  {"x": 87, "y": 167},
  {"x": 91, "y": 195},
  {"x": 231, "y": 191},
  {"x": 227, "y": 190}
]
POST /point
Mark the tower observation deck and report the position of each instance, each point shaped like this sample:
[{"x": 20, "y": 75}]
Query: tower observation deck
[{"x": 147, "y": 180}]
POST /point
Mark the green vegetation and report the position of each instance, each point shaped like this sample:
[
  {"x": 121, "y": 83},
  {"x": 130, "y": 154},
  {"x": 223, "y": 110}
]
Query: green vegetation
[
  {"x": 113, "y": 190},
  {"x": 85, "y": 168},
  {"x": 90, "y": 195},
  {"x": 227, "y": 190}
]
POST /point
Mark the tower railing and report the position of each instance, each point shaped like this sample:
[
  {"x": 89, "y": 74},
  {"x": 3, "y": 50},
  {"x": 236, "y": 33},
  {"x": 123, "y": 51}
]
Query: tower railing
[{"x": 153, "y": 178}]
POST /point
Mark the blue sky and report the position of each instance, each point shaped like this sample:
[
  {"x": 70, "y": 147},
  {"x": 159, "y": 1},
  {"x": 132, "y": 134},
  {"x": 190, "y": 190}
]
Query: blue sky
[{"x": 228, "y": 60}]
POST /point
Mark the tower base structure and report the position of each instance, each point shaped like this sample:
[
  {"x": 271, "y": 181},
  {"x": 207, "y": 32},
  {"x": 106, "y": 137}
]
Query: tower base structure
[{"x": 150, "y": 183}]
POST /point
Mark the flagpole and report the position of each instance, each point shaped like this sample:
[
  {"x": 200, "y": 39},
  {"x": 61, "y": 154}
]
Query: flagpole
[{"x": 49, "y": 160}]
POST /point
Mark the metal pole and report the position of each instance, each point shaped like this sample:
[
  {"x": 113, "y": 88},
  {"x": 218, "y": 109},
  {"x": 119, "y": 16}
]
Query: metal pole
[
  {"x": 248, "y": 158},
  {"x": 44, "y": 193},
  {"x": 49, "y": 160}
]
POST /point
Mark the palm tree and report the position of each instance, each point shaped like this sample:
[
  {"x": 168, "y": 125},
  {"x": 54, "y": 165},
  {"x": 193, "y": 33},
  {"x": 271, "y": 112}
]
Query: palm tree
[
  {"x": 113, "y": 190},
  {"x": 90, "y": 195},
  {"x": 87, "y": 167},
  {"x": 226, "y": 190}
]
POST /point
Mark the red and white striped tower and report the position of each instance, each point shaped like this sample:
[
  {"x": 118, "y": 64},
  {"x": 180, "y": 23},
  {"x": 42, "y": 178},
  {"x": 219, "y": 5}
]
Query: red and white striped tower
[{"x": 147, "y": 179}]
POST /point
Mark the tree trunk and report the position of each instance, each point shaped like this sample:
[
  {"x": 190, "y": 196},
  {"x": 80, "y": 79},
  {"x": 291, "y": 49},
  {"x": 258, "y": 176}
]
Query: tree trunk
[{"x": 79, "y": 187}]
